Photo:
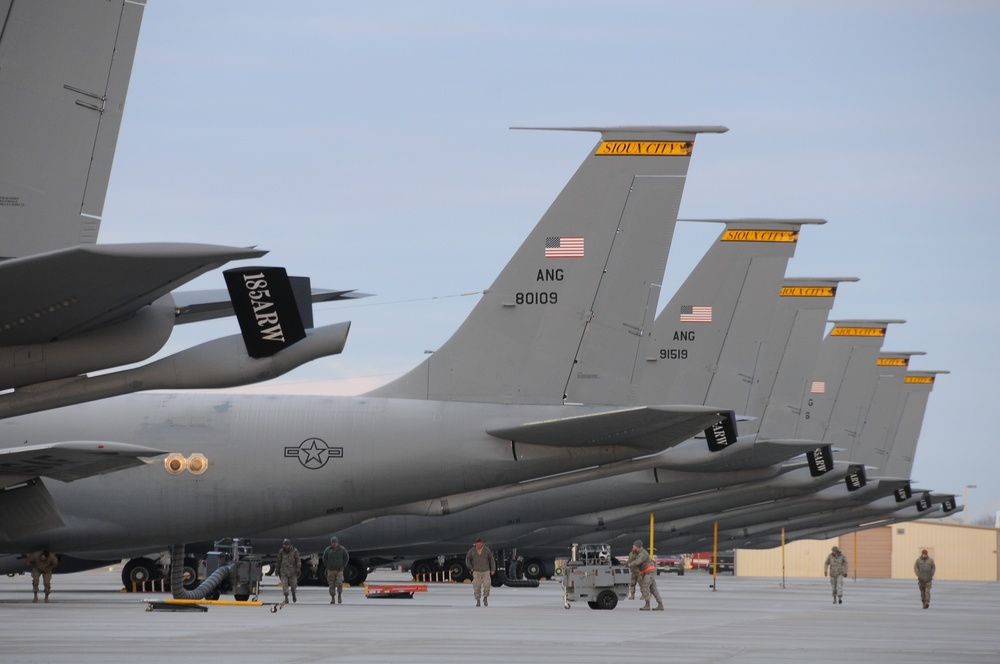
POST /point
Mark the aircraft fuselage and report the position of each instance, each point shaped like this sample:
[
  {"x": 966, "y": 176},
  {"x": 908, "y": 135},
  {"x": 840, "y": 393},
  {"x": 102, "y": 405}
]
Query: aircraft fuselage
[{"x": 240, "y": 463}]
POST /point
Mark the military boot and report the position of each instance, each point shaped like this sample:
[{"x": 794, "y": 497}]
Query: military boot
[
  {"x": 659, "y": 606},
  {"x": 46, "y": 598},
  {"x": 35, "y": 600},
  {"x": 645, "y": 607}
]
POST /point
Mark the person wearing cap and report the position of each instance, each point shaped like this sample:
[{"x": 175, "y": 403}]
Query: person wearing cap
[
  {"x": 335, "y": 559},
  {"x": 836, "y": 567},
  {"x": 646, "y": 568},
  {"x": 289, "y": 565},
  {"x": 924, "y": 568},
  {"x": 480, "y": 562}
]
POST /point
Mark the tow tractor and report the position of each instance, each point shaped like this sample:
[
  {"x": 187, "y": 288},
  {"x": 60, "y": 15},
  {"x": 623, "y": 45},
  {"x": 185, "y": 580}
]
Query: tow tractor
[{"x": 592, "y": 575}]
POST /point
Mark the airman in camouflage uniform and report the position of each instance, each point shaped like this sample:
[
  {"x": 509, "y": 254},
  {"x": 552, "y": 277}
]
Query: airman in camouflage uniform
[
  {"x": 924, "y": 568},
  {"x": 836, "y": 566},
  {"x": 644, "y": 565},
  {"x": 42, "y": 563},
  {"x": 289, "y": 565},
  {"x": 335, "y": 559}
]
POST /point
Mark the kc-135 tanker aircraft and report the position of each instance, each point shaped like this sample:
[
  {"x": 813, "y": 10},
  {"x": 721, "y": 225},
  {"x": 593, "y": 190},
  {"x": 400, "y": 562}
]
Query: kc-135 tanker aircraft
[{"x": 562, "y": 408}]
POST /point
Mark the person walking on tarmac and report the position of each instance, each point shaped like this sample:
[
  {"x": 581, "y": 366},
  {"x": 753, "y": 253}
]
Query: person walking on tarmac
[
  {"x": 335, "y": 559},
  {"x": 42, "y": 563},
  {"x": 644, "y": 565},
  {"x": 924, "y": 568},
  {"x": 289, "y": 565},
  {"x": 836, "y": 567},
  {"x": 480, "y": 562}
]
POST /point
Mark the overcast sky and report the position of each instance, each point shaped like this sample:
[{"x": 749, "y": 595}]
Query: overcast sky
[{"x": 367, "y": 146}]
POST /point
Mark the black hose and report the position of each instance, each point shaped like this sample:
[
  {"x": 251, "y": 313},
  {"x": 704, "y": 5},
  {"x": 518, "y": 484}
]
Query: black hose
[{"x": 205, "y": 588}]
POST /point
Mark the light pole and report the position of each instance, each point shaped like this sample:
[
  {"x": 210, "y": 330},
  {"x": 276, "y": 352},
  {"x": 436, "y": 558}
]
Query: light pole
[{"x": 965, "y": 512}]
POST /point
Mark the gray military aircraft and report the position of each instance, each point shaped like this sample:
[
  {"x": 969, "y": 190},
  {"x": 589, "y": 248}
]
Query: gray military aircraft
[
  {"x": 903, "y": 504},
  {"x": 741, "y": 274},
  {"x": 862, "y": 425},
  {"x": 490, "y": 408},
  {"x": 796, "y": 329}
]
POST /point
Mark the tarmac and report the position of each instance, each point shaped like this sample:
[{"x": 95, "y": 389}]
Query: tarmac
[{"x": 90, "y": 619}]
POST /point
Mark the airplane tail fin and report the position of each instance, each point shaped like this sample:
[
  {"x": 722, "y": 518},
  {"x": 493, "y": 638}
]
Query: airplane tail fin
[
  {"x": 796, "y": 333},
  {"x": 708, "y": 338},
  {"x": 917, "y": 387},
  {"x": 882, "y": 416},
  {"x": 65, "y": 75},
  {"x": 572, "y": 304},
  {"x": 836, "y": 400}
]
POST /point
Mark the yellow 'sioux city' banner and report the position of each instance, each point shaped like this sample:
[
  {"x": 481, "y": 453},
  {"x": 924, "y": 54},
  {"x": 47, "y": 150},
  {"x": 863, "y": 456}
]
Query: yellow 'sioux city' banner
[
  {"x": 756, "y": 235},
  {"x": 808, "y": 291},
  {"x": 646, "y": 148},
  {"x": 857, "y": 332}
]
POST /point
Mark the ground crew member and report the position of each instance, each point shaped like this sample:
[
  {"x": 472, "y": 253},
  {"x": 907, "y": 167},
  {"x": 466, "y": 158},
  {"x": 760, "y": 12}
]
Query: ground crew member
[
  {"x": 645, "y": 566},
  {"x": 42, "y": 563},
  {"x": 289, "y": 565},
  {"x": 480, "y": 562},
  {"x": 635, "y": 576},
  {"x": 924, "y": 568},
  {"x": 836, "y": 566},
  {"x": 335, "y": 559}
]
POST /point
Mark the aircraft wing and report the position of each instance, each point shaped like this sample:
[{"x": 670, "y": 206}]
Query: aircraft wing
[
  {"x": 652, "y": 428},
  {"x": 60, "y": 293},
  {"x": 68, "y": 461}
]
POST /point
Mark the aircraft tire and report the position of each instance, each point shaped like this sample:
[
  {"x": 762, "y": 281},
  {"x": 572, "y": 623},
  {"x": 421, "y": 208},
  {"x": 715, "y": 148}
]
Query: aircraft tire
[
  {"x": 534, "y": 569},
  {"x": 421, "y": 569},
  {"x": 356, "y": 572},
  {"x": 455, "y": 568},
  {"x": 191, "y": 573},
  {"x": 139, "y": 571}
]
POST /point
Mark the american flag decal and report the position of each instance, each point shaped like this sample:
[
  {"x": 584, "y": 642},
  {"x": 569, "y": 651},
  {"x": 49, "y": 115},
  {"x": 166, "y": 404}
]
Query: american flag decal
[
  {"x": 818, "y": 387},
  {"x": 696, "y": 314},
  {"x": 564, "y": 247}
]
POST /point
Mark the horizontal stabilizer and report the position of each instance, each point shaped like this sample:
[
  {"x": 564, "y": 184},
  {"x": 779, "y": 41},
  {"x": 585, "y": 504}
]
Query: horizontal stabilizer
[
  {"x": 202, "y": 305},
  {"x": 68, "y": 461},
  {"x": 68, "y": 291},
  {"x": 651, "y": 428}
]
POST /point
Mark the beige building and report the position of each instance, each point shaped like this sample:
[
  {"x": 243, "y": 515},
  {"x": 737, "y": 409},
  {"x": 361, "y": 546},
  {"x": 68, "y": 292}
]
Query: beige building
[{"x": 967, "y": 553}]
